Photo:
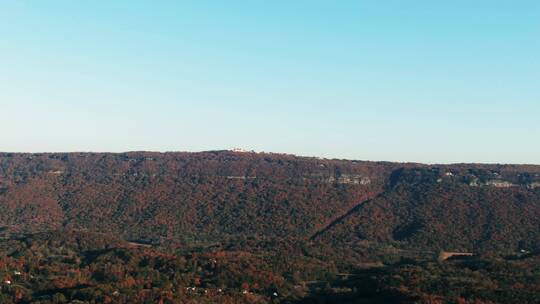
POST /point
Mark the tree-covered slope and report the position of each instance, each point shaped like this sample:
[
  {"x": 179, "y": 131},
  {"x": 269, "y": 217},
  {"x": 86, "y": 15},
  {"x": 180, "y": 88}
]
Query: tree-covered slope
[
  {"x": 441, "y": 208},
  {"x": 213, "y": 196},
  {"x": 182, "y": 195}
]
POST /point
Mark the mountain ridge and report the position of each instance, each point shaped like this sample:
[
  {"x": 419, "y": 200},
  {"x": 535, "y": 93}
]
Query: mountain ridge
[{"x": 217, "y": 194}]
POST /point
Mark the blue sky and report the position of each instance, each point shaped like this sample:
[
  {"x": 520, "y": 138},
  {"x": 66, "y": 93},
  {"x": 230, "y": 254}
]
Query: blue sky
[{"x": 427, "y": 81}]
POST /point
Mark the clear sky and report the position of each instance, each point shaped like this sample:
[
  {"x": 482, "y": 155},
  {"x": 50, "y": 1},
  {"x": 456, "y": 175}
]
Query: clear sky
[{"x": 427, "y": 81}]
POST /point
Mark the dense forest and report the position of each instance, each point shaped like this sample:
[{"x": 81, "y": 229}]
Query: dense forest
[{"x": 230, "y": 227}]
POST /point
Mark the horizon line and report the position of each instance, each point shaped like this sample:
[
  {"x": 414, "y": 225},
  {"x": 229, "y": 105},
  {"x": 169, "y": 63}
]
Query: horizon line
[{"x": 234, "y": 150}]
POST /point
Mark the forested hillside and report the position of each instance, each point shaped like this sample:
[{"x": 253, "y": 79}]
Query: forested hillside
[
  {"x": 260, "y": 227},
  {"x": 216, "y": 195},
  {"x": 182, "y": 195},
  {"x": 438, "y": 209}
]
